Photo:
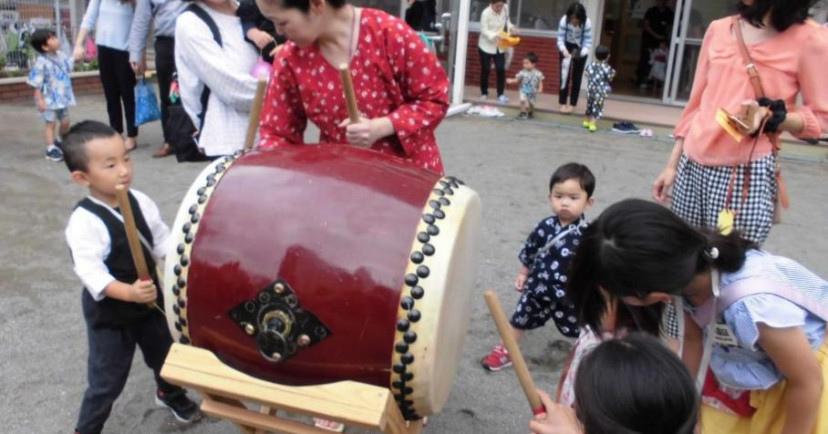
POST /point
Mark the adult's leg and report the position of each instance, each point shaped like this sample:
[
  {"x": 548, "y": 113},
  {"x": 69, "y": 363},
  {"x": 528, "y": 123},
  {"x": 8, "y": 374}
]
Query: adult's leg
[
  {"x": 109, "y": 81},
  {"x": 126, "y": 89},
  {"x": 500, "y": 70},
  {"x": 643, "y": 69},
  {"x": 563, "y": 91},
  {"x": 575, "y": 81},
  {"x": 485, "y": 65},
  {"x": 165, "y": 68}
]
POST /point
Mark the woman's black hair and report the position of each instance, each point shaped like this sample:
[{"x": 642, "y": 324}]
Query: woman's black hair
[
  {"x": 636, "y": 247},
  {"x": 783, "y": 13},
  {"x": 635, "y": 385},
  {"x": 39, "y": 38},
  {"x": 577, "y": 10},
  {"x": 304, "y": 5}
]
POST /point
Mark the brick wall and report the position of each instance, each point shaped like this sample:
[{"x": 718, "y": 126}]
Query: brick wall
[
  {"x": 81, "y": 85},
  {"x": 545, "y": 48}
]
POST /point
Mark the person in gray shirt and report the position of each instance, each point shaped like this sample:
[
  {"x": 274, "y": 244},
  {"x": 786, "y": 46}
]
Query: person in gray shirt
[{"x": 164, "y": 12}]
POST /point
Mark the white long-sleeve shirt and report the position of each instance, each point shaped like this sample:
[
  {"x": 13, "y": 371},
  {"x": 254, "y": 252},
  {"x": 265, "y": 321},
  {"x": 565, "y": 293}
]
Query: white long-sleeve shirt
[
  {"x": 89, "y": 242},
  {"x": 491, "y": 24},
  {"x": 111, "y": 21},
  {"x": 224, "y": 69}
]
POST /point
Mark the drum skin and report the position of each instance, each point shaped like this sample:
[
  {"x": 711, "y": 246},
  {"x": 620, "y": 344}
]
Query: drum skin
[{"x": 336, "y": 226}]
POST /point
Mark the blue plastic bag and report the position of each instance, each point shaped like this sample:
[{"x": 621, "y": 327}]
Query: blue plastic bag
[{"x": 146, "y": 104}]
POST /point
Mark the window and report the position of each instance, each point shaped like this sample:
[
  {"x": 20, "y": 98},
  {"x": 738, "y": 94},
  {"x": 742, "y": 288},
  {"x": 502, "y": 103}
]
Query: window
[{"x": 392, "y": 7}]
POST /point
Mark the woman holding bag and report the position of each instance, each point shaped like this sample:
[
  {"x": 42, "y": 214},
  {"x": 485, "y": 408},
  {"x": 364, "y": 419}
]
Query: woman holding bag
[
  {"x": 723, "y": 171},
  {"x": 112, "y": 20},
  {"x": 574, "y": 43},
  {"x": 493, "y": 20}
]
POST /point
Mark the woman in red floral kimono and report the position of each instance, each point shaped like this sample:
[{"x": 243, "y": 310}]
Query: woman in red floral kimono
[{"x": 401, "y": 88}]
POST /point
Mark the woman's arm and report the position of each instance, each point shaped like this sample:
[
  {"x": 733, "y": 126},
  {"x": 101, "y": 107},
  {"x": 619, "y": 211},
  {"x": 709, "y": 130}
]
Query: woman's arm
[
  {"x": 488, "y": 27},
  {"x": 810, "y": 120},
  {"x": 665, "y": 179},
  {"x": 790, "y": 351},
  {"x": 562, "y": 36},
  {"x": 587, "y": 38}
]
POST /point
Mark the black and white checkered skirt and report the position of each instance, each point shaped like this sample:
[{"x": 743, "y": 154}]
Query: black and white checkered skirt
[{"x": 700, "y": 192}]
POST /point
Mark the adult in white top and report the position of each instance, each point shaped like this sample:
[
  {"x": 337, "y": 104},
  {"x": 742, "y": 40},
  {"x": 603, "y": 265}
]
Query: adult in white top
[
  {"x": 224, "y": 69},
  {"x": 493, "y": 20},
  {"x": 574, "y": 44},
  {"x": 111, "y": 20}
]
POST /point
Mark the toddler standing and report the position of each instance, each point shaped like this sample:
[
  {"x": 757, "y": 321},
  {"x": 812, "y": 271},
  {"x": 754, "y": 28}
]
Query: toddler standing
[
  {"x": 545, "y": 260},
  {"x": 530, "y": 80},
  {"x": 599, "y": 75},
  {"x": 52, "y": 87}
]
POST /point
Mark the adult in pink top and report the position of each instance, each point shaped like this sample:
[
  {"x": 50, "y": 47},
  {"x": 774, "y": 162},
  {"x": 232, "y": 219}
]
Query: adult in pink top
[
  {"x": 791, "y": 54},
  {"x": 401, "y": 88}
]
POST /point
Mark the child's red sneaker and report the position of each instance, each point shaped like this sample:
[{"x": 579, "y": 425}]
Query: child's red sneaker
[{"x": 497, "y": 359}]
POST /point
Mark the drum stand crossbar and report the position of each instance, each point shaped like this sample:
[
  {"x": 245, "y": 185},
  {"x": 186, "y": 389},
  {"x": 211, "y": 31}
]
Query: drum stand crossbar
[{"x": 224, "y": 389}]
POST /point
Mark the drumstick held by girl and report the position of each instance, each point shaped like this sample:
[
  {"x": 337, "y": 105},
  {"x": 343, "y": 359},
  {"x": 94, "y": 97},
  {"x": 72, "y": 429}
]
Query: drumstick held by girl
[
  {"x": 545, "y": 260},
  {"x": 760, "y": 317}
]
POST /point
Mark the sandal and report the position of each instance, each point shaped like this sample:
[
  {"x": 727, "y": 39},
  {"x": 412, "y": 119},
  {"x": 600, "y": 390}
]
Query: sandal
[
  {"x": 328, "y": 425},
  {"x": 164, "y": 151}
]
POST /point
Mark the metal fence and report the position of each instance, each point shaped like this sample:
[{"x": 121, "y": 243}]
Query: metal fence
[{"x": 18, "y": 19}]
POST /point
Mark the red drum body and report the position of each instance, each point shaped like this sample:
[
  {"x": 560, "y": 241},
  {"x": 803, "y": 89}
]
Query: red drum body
[{"x": 317, "y": 264}]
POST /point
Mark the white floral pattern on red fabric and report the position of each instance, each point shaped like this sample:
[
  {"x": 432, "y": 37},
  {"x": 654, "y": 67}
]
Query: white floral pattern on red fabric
[{"x": 394, "y": 75}]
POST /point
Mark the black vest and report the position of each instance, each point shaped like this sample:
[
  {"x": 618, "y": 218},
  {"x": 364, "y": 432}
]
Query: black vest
[{"x": 110, "y": 312}]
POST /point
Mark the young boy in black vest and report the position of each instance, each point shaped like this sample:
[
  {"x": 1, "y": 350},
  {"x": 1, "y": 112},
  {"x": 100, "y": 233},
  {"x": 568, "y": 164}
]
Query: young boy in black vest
[{"x": 115, "y": 302}]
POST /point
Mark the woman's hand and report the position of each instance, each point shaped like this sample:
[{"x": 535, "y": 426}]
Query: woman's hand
[
  {"x": 78, "y": 53},
  {"x": 663, "y": 184},
  {"x": 559, "y": 419},
  {"x": 567, "y": 54},
  {"x": 367, "y": 131},
  {"x": 259, "y": 37}
]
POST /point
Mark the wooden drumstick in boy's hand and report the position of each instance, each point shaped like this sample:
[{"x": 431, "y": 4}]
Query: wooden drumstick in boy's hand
[
  {"x": 132, "y": 237},
  {"x": 514, "y": 352},
  {"x": 348, "y": 89}
]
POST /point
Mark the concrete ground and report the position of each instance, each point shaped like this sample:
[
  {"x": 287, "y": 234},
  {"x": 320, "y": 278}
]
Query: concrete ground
[{"x": 42, "y": 336}]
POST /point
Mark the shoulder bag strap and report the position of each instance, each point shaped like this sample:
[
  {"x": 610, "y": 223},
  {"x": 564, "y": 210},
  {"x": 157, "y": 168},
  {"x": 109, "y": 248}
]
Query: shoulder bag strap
[{"x": 753, "y": 73}]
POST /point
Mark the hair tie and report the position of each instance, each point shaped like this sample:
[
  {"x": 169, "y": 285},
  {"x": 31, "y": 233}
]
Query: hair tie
[{"x": 712, "y": 253}]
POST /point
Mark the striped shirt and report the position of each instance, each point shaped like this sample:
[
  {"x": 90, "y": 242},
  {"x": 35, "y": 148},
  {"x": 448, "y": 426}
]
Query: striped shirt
[
  {"x": 163, "y": 12},
  {"x": 580, "y": 36},
  {"x": 111, "y": 20},
  {"x": 746, "y": 366}
]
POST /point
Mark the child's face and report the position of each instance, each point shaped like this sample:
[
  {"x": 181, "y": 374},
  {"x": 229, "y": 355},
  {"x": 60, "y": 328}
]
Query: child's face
[
  {"x": 528, "y": 65},
  {"x": 52, "y": 44},
  {"x": 108, "y": 166},
  {"x": 569, "y": 200}
]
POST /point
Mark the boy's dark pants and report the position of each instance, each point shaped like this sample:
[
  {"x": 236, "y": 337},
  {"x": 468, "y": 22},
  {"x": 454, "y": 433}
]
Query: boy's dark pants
[{"x": 111, "y": 351}]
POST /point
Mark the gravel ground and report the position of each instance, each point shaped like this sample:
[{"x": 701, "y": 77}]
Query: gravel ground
[{"x": 42, "y": 336}]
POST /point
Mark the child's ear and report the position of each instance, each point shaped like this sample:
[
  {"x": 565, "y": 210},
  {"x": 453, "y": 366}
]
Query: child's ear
[
  {"x": 80, "y": 178},
  {"x": 590, "y": 201}
]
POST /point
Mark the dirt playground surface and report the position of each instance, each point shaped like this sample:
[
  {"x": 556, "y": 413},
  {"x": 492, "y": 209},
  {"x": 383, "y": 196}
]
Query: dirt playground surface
[{"x": 43, "y": 346}]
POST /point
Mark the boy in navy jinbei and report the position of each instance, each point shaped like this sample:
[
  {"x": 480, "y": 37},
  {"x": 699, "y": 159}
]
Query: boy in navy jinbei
[
  {"x": 545, "y": 260},
  {"x": 114, "y": 300}
]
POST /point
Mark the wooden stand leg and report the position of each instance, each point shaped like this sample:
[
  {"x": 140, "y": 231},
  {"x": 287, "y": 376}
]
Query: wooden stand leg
[{"x": 224, "y": 389}]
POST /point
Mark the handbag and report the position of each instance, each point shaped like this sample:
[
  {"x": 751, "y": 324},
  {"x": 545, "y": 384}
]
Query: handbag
[
  {"x": 146, "y": 103},
  {"x": 781, "y": 200},
  {"x": 91, "y": 49}
]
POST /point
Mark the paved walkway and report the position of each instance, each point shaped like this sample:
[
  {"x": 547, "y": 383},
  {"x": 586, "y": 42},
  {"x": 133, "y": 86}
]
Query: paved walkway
[{"x": 43, "y": 345}]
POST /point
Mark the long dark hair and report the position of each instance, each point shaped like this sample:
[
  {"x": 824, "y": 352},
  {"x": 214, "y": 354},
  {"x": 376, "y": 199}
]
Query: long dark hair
[
  {"x": 783, "y": 13},
  {"x": 635, "y": 385},
  {"x": 576, "y": 9},
  {"x": 636, "y": 247}
]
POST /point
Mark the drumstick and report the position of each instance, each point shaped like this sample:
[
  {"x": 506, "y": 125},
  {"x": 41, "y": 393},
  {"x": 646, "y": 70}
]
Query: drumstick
[
  {"x": 132, "y": 237},
  {"x": 255, "y": 114},
  {"x": 522, "y": 371},
  {"x": 350, "y": 96}
]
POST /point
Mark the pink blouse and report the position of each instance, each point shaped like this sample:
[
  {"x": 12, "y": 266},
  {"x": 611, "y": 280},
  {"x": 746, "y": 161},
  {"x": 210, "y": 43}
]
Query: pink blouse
[
  {"x": 790, "y": 62},
  {"x": 394, "y": 75}
]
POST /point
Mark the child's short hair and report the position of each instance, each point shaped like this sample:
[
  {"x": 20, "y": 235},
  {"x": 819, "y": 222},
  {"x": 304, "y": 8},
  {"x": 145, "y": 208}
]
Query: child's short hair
[
  {"x": 532, "y": 57},
  {"x": 602, "y": 52},
  {"x": 39, "y": 38},
  {"x": 74, "y": 142},
  {"x": 574, "y": 171}
]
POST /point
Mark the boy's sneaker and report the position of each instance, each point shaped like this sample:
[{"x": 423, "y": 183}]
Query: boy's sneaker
[
  {"x": 182, "y": 408},
  {"x": 58, "y": 143},
  {"x": 502, "y": 99},
  {"x": 497, "y": 359},
  {"x": 54, "y": 153},
  {"x": 586, "y": 124},
  {"x": 592, "y": 127},
  {"x": 523, "y": 116}
]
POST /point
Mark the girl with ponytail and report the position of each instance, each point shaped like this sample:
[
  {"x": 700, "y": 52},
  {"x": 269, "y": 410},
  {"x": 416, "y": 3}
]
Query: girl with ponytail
[{"x": 755, "y": 319}]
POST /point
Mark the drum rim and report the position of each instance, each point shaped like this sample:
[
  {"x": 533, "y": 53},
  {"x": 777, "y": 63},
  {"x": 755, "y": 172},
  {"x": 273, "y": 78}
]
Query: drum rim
[
  {"x": 186, "y": 227},
  {"x": 415, "y": 286}
]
